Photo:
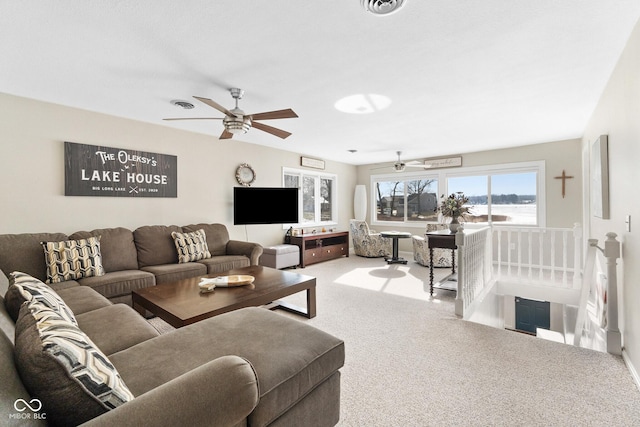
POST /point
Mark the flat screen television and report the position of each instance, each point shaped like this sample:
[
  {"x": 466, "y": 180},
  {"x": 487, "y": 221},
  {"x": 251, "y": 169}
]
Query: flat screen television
[{"x": 265, "y": 205}]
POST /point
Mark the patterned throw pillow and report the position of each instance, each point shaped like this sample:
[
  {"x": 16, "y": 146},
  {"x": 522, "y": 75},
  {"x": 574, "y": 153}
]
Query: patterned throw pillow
[
  {"x": 191, "y": 246},
  {"x": 60, "y": 365},
  {"x": 23, "y": 287},
  {"x": 73, "y": 259}
]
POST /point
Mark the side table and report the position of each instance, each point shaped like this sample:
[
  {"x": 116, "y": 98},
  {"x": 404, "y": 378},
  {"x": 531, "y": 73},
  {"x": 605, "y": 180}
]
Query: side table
[
  {"x": 395, "y": 235},
  {"x": 443, "y": 239}
]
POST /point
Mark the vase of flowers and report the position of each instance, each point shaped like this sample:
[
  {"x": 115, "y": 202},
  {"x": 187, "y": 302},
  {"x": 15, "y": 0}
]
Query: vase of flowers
[{"x": 453, "y": 206}]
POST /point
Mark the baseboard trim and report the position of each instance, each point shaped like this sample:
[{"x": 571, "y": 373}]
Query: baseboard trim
[{"x": 631, "y": 368}]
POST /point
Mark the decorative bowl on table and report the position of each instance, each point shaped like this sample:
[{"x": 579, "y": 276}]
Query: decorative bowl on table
[{"x": 209, "y": 284}]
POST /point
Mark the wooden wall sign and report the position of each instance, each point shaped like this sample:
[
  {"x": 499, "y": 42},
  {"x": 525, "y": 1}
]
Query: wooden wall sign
[
  {"x": 91, "y": 170},
  {"x": 448, "y": 162},
  {"x": 311, "y": 163}
]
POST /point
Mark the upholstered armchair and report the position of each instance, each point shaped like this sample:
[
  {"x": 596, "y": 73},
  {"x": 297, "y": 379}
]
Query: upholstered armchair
[
  {"x": 368, "y": 243},
  {"x": 441, "y": 257}
]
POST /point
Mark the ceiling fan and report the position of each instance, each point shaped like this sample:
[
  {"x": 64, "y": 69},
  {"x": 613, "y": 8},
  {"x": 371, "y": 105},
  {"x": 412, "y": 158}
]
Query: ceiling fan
[
  {"x": 399, "y": 166},
  {"x": 237, "y": 122}
]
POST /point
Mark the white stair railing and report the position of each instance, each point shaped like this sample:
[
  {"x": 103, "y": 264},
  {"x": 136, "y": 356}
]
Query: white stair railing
[
  {"x": 543, "y": 255},
  {"x": 474, "y": 266},
  {"x": 595, "y": 301},
  {"x": 543, "y": 258},
  {"x": 524, "y": 255}
]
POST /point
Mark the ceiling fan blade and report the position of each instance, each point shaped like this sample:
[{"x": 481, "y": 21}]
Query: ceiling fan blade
[
  {"x": 194, "y": 118},
  {"x": 414, "y": 165},
  {"x": 215, "y": 105},
  {"x": 270, "y": 129},
  {"x": 271, "y": 115},
  {"x": 226, "y": 135}
]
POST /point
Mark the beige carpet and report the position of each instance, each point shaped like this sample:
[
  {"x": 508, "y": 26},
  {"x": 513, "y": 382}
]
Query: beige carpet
[{"x": 411, "y": 362}]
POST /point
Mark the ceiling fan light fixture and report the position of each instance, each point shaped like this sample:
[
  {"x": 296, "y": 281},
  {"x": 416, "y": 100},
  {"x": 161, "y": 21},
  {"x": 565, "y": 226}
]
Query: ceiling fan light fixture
[
  {"x": 382, "y": 7},
  {"x": 399, "y": 167},
  {"x": 237, "y": 125},
  {"x": 235, "y": 121}
]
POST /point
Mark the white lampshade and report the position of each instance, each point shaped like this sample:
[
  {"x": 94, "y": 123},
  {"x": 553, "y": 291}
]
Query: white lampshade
[{"x": 360, "y": 202}]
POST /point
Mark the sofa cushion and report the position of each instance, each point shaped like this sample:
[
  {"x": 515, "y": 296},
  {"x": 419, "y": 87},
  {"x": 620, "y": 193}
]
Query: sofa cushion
[
  {"x": 155, "y": 246},
  {"x": 117, "y": 247},
  {"x": 23, "y": 287},
  {"x": 126, "y": 327},
  {"x": 221, "y": 263},
  {"x": 67, "y": 284},
  {"x": 191, "y": 246},
  {"x": 73, "y": 259},
  {"x": 23, "y": 252},
  {"x": 82, "y": 299},
  {"x": 217, "y": 236},
  {"x": 174, "y": 272},
  {"x": 60, "y": 365},
  {"x": 287, "y": 371},
  {"x": 118, "y": 283}
]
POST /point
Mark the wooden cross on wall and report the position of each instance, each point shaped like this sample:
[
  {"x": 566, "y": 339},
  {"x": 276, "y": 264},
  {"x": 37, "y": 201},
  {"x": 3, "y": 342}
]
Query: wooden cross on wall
[{"x": 564, "y": 177}]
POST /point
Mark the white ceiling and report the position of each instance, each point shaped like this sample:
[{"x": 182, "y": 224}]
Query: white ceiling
[{"x": 461, "y": 75}]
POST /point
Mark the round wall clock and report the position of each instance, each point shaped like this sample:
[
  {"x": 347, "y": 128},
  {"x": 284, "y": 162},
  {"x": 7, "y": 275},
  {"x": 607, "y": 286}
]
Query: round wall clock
[{"x": 245, "y": 175}]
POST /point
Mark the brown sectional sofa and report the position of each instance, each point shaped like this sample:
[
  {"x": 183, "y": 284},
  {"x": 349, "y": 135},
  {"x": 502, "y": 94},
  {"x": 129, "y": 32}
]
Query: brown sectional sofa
[
  {"x": 250, "y": 367},
  {"x": 132, "y": 259}
]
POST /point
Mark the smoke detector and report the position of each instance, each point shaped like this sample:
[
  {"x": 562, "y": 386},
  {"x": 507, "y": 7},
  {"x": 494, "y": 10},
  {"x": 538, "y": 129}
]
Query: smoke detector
[
  {"x": 382, "y": 7},
  {"x": 182, "y": 104}
]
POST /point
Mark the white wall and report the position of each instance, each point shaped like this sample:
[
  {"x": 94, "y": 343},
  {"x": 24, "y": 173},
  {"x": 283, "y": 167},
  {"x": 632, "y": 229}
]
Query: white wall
[
  {"x": 618, "y": 116},
  {"x": 32, "y": 173}
]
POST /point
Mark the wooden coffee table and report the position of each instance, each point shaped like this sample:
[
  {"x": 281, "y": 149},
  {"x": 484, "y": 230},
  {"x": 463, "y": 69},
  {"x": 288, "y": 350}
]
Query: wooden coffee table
[{"x": 181, "y": 303}]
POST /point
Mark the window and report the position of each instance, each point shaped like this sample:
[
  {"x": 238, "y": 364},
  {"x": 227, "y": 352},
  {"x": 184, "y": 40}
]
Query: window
[
  {"x": 505, "y": 194},
  {"x": 317, "y": 198},
  {"x": 406, "y": 200},
  {"x": 500, "y": 197},
  {"x": 513, "y": 198},
  {"x": 389, "y": 201},
  {"x": 475, "y": 188}
]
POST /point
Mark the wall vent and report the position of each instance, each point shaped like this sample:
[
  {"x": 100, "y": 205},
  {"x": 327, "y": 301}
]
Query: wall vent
[
  {"x": 382, "y": 7},
  {"x": 183, "y": 104}
]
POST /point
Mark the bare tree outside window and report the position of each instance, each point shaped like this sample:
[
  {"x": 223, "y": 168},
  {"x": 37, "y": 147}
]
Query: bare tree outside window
[
  {"x": 390, "y": 203},
  {"x": 505, "y": 194},
  {"x": 326, "y": 191},
  {"x": 291, "y": 181},
  {"x": 308, "y": 199},
  {"x": 318, "y": 192},
  {"x": 422, "y": 200}
]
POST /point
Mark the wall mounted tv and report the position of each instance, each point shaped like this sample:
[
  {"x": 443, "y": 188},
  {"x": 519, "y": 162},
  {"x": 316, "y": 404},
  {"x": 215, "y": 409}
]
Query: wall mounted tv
[{"x": 265, "y": 205}]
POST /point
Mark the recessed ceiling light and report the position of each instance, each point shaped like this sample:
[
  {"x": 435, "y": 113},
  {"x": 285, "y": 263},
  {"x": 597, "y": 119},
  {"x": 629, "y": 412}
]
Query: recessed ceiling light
[
  {"x": 362, "y": 103},
  {"x": 352, "y": 151}
]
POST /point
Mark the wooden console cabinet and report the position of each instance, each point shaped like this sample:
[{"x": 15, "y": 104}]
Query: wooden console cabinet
[{"x": 321, "y": 246}]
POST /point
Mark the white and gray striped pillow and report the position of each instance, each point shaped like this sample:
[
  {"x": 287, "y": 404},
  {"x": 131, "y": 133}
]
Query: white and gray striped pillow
[
  {"x": 23, "y": 287},
  {"x": 73, "y": 259},
  {"x": 191, "y": 246},
  {"x": 62, "y": 366}
]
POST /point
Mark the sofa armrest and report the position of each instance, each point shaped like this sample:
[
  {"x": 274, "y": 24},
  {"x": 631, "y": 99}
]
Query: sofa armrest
[
  {"x": 4, "y": 283},
  {"x": 248, "y": 249},
  {"x": 222, "y": 392}
]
